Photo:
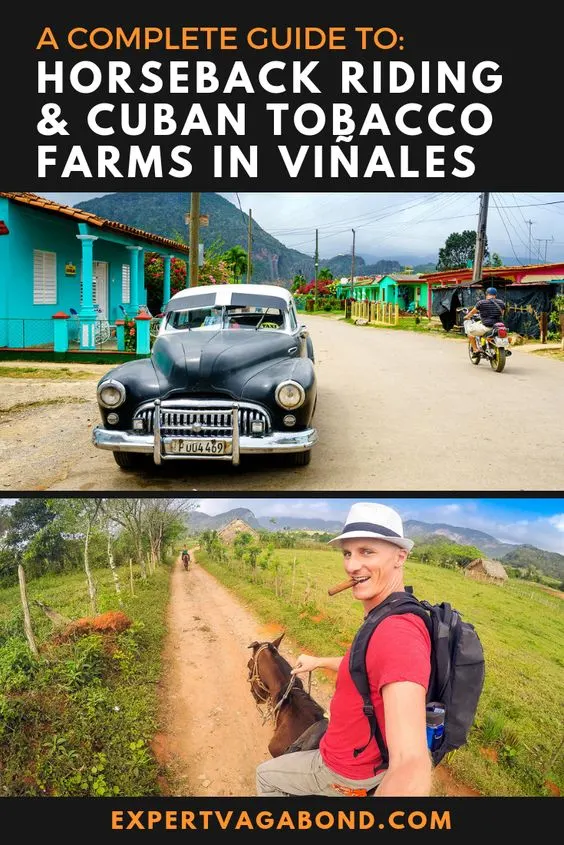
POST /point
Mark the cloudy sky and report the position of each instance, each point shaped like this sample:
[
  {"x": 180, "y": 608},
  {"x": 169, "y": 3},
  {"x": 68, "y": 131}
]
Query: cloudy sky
[
  {"x": 521, "y": 227},
  {"x": 537, "y": 521}
]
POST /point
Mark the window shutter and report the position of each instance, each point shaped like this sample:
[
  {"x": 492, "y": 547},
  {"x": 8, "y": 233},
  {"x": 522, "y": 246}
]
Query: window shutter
[
  {"x": 44, "y": 277},
  {"x": 125, "y": 285}
]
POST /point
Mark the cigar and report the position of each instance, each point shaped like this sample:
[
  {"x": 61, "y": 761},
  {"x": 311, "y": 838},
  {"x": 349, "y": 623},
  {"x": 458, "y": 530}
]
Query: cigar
[{"x": 338, "y": 588}]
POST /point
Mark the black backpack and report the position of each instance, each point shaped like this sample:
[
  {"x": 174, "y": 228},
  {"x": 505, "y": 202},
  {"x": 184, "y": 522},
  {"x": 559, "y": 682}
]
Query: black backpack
[{"x": 457, "y": 668}]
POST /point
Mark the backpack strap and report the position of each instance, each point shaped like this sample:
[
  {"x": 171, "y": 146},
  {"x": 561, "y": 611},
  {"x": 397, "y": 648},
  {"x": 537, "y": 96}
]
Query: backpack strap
[
  {"x": 396, "y": 603},
  {"x": 443, "y": 618}
]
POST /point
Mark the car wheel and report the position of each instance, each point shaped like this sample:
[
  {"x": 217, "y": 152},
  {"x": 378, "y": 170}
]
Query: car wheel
[
  {"x": 310, "y": 352},
  {"x": 127, "y": 460},
  {"x": 298, "y": 459}
]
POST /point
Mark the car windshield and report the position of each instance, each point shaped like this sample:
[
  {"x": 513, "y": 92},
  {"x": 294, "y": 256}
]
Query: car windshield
[{"x": 219, "y": 317}]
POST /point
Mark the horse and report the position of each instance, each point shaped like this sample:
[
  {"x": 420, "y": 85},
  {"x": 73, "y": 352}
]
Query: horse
[
  {"x": 299, "y": 721},
  {"x": 186, "y": 560}
]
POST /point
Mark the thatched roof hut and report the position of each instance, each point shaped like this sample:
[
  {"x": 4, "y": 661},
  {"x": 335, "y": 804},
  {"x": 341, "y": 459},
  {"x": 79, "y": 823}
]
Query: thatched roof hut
[
  {"x": 236, "y": 526},
  {"x": 486, "y": 570}
]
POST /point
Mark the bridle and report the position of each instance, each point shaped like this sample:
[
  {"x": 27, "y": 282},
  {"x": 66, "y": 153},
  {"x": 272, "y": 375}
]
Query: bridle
[{"x": 271, "y": 710}]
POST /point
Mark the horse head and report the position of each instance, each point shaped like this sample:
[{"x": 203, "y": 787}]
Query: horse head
[
  {"x": 269, "y": 672},
  {"x": 284, "y": 700}
]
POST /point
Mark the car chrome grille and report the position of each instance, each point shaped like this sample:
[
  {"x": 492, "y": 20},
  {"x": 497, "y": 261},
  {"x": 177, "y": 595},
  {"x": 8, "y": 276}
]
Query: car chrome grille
[{"x": 184, "y": 420}]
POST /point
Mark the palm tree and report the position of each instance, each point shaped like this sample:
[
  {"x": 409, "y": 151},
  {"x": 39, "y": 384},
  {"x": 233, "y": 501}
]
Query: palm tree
[{"x": 237, "y": 260}]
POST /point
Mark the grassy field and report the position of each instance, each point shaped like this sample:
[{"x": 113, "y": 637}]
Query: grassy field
[
  {"x": 81, "y": 719},
  {"x": 515, "y": 747}
]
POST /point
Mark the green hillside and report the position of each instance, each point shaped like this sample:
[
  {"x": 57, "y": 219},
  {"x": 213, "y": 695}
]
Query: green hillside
[{"x": 164, "y": 214}]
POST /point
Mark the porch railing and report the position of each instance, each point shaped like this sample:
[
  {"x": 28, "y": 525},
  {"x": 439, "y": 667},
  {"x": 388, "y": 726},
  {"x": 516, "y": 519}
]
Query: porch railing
[
  {"x": 62, "y": 333},
  {"x": 20, "y": 333}
]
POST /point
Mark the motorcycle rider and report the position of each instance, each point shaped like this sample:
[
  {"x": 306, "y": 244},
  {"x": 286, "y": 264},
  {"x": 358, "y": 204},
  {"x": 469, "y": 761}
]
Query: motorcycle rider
[{"x": 490, "y": 310}]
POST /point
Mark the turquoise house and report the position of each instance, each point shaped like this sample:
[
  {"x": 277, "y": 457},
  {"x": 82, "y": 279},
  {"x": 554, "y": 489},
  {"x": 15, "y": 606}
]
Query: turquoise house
[
  {"x": 403, "y": 289},
  {"x": 54, "y": 258}
]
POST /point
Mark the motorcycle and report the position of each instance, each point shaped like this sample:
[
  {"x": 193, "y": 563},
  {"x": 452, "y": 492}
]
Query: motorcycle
[{"x": 493, "y": 346}]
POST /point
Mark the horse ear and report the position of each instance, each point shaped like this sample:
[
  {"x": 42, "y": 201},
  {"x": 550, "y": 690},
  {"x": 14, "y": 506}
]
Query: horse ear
[
  {"x": 254, "y": 645},
  {"x": 277, "y": 641}
]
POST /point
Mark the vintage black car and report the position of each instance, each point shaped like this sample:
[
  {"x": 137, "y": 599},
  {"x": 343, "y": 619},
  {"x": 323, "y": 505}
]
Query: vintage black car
[{"x": 231, "y": 373}]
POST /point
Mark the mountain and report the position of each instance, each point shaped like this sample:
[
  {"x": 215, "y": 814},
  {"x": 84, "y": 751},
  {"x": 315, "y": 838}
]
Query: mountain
[
  {"x": 296, "y": 523},
  {"x": 511, "y": 554},
  {"x": 164, "y": 213},
  {"x": 200, "y": 521},
  {"x": 491, "y": 547}
]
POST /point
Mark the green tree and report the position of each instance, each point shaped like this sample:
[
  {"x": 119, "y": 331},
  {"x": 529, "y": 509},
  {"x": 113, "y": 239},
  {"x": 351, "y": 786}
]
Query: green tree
[
  {"x": 237, "y": 260},
  {"x": 326, "y": 274},
  {"x": 299, "y": 281},
  {"x": 459, "y": 249}
]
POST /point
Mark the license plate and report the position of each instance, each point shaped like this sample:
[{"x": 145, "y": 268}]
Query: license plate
[
  {"x": 205, "y": 448},
  {"x": 501, "y": 341}
]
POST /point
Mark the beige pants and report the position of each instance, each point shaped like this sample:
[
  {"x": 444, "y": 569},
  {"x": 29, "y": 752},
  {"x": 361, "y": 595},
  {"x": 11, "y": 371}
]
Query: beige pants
[
  {"x": 305, "y": 773},
  {"x": 475, "y": 328}
]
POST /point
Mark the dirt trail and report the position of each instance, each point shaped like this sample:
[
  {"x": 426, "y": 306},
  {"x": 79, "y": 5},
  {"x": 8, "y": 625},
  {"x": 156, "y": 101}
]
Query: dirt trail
[{"x": 213, "y": 736}]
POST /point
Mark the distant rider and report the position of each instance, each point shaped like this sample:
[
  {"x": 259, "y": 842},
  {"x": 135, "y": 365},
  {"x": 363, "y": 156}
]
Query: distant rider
[
  {"x": 490, "y": 310},
  {"x": 185, "y": 558}
]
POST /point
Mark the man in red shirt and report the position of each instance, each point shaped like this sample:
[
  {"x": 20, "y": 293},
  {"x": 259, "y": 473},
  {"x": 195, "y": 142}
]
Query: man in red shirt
[{"x": 398, "y": 663}]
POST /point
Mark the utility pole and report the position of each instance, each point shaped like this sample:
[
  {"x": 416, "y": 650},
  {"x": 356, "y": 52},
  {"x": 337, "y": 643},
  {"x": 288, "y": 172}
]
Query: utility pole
[
  {"x": 545, "y": 241},
  {"x": 530, "y": 223},
  {"x": 249, "y": 245},
  {"x": 194, "y": 238},
  {"x": 352, "y": 264},
  {"x": 316, "y": 267},
  {"x": 480, "y": 237}
]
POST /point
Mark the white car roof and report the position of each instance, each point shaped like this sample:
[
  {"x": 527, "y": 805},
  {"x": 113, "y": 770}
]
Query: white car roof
[{"x": 223, "y": 293}]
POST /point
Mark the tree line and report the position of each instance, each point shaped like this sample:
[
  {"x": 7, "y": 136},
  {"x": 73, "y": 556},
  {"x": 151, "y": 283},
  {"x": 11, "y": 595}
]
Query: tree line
[{"x": 43, "y": 536}]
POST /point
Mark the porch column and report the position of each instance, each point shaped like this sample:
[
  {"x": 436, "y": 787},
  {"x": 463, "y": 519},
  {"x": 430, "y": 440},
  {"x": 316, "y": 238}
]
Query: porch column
[
  {"x": 143, "y": 337},
  {"x": 88, "y": 313},
  {"x": 134, "y": 279},
  {"x": 166, "y": 280},
  {"x": 142, "y": 297}
]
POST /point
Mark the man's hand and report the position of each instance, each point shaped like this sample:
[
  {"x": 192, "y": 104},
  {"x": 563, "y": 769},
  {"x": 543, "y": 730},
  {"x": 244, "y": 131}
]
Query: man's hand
[{"x": 305, "y": 663}]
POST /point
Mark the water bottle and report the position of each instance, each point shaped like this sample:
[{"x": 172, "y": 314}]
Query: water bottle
[{"x": 435, "y": 718}]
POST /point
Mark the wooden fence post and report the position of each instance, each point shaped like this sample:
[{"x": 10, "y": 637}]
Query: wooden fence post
[{"x": 27, "y": 618}]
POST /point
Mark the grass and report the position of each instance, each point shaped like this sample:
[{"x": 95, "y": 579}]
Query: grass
[
  {"x": 80, "y": 720},
  {"x": 556, "y": 354},
  {"x": 512, "y": 746},
  {"x": 52, "y": 374}
]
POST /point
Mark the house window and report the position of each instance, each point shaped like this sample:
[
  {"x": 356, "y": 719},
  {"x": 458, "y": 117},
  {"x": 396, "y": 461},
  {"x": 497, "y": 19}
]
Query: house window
[
  {"x": 44, "y": 277},
  {"x": 125, "y": 285}
]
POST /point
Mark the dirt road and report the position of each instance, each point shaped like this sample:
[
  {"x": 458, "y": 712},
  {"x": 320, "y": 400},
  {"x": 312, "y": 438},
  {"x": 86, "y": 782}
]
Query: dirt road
[
  {"x": 396, "y": 411},
  {"x": 213, "y": 736}
]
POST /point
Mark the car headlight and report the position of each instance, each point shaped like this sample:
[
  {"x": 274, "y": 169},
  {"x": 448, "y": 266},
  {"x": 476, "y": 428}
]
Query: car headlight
[
  {"x": 290, "y": 395},
  {"x": 111, "y": 394}
]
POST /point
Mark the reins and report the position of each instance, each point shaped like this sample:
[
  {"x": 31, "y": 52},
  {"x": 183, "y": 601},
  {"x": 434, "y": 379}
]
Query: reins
[{"x": 271, "y": 710}]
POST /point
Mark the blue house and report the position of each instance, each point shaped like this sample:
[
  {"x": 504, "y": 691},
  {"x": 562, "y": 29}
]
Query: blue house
[{"x": 56, "y": 260}]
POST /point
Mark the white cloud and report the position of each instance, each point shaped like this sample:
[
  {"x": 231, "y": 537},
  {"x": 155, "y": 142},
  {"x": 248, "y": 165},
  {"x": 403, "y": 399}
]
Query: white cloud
[{"x": 558, "y": 521}]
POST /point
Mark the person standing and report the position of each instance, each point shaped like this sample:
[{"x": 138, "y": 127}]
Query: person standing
[{"x": 398, "y": 663}]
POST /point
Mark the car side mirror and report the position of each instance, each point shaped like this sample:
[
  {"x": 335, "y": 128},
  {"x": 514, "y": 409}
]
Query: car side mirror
[{"x": 304, "y": 332}]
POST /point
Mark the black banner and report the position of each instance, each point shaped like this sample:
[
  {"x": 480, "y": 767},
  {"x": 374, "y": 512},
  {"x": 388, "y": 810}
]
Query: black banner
[
  {"x": 388, "y": 818},
  {"x": 372, "y": 99}
]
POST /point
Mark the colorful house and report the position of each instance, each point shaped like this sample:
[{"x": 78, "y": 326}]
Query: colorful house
[
  {"x": 403, "y": 289},
  {"x": 528, "y": 291},
  {"x": 54, "y": 258}
]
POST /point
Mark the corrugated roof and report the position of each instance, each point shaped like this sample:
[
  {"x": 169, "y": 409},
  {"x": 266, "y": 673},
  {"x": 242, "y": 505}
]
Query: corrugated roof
[{"x": 82, "y": 216}]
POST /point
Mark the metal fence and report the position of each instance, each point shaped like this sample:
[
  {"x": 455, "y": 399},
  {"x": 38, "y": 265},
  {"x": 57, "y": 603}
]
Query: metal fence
[{"x": 20, "y": 333}]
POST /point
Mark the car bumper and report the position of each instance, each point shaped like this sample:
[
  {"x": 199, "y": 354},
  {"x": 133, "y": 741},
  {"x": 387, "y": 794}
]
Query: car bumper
[{"x": 277, "y": 442}]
